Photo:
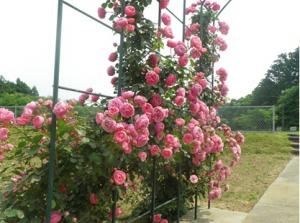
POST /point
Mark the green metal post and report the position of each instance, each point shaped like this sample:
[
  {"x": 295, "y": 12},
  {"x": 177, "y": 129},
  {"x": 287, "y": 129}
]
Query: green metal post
[
  {"x": 52, "y": 154},
  {"x": 152, "y": 208},
  {"x": 196, "y": 204},
  {"x": 114, "y": 206},
  {"x": 121, "y": 48},
  {"x": 178, "y": 194},
  {"x": 183, "y": 21}
]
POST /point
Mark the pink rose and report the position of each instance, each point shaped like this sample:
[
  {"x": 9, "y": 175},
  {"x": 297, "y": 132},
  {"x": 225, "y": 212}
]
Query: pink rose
[
  {"x": 167, "y": 32},
  {"x": 121, "y": 23},
  {"x": 163, "y": 4},
  {"x": 94, "y": 199},
  {"x": 172, "y": 43},
  {"x": 187, "y": 138},
  {"x": 22, "y": 121},
  {"x": 108, "y": 124},
  {"x": 131, "y": 20},
  {"x": 195, "y": 27},
  {"x": 120, "y": 136},
  {"x": 170, "y": 80},
  {"x": 156, "y": 100},
  {"x": 167, "y": 153},
  {"x": 38, "y": 121},
  {"x": 215, "y": 6},
  {"x": 127, "y": 110},
  {"x": 94, "y": 98},
  {"x": 140, "y": 100},
  {"x": 99, "y": 118},
  {"x": 212, "y": 29},
  {"x": 157, "y": 70},
  {"x": 111, "y": 70},
  {"x": 130, "y": 28},
  {"x": 141, "y": 140},
  {"x": 113, "y": 57},
  {"x": 154, "y": 150},
  {"x": 6, "y": 116},
  {"x": 154, "y": 59},
  {"x": 101, "y": 12},
  {"x": 196, "y": 42},
  {"x": 222, "y": 74},
  {"x": 179, "y": 100},
  {"x": 4, "y": 134},
  {"x": 113, "y": 111},
  {"x": 157, "y": 218},
  {"x": 159, "y": 127},
  {"x": 193, "y": 179},
  {"x": 218, "y": 165},
  {"x": 55, "y": 217},
  {"x": 142, "y": 156},
  {"x": 166, "y": 19},
  {"x": 147, "y": 108},
  {"x": 183, "y": 60},
  {"x": 158, "y": 114},
  {"x": 127, "y": 94},
  {"x": 32, "y": 105},
  {"x": 180, "y": 49},
  {"x": 27, "y": 113},
  {"x": 60, "y": 109},
  {"x": 119, "y": 177},
  {"x": 130, "y": 11},
  {"x": 113, "y": 81},
  {"x": 180, "y": 121},
  {"x": 152, "y": 78},
  {"x": 224, "y": 28},
  {"x": 142, "y": 122},
  {"x": 180, "y": 92},
  {"x": 164, "y": 220}
]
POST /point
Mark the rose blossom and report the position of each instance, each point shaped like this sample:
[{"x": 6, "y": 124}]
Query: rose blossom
[
  {"x": 193, "y": 179},
  {"x": 38, "y": 121},
  {"x": 156, "y": 100},
  {"x": 196, "y": 42},
  {"x": 94, "y": 199},
  {"x": 113, "y": 57},
  {"x": 183, "y": 60},
  {"x": 179, "y": 100},
  {"x": 222, "y": 74},
  {"x": 180, "y": 49},
  {"x": 6, "y": 116},
  {"x": 101, "y": 12},
  {"x": 141, "y": 140},
  {"x": 158, "y": 114},
  {"x": 163, "y": 4},
  {"x": 157, "y": 218},
  {"x": 120, "y": 136},
  {"x": 120, "y": 23},
  {"x": 99, "y": 118},
  {"x": 113, "y": 111},
  {"x": 108, "y": 124},
  {"x": 119, "y": 177},
  {"x": 167, "y": 153},
  {"x": 142, "y": 156},
  {"x": 127, "y": 94},
  {"x": 111, "y": 70},
  {"x": 187, "y": 138},
  {"x": 152, "y": 78},
  {"x": 127, "y": 110},
  {"x": 55, "y": 217},
  {"x": 180, "y": 121},
  {"x": 172, "y": 43},
  {"x": 60, "y": 109},
  {"x": 4, "y": 134},
  {"x": 164, "y": 220},
  {"x": 167, "y": 32},
  {"x": 142, "y": 122},
  {"x": 154, "y": 150},
  {"x": 130, "y": 11},
  {"x": 140, "y": 100},
  {"x": 224, "y": 28},
  {"x": 166, "y": 19},
  {"x": 170, "y": 80}
]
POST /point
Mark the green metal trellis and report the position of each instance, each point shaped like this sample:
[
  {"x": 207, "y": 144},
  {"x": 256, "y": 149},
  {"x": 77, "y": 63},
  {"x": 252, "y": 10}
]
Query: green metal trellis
[{"x": 52, "y": 149}]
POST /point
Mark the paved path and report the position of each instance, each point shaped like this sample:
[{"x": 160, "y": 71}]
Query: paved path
[{"x": 280, "y": 203}]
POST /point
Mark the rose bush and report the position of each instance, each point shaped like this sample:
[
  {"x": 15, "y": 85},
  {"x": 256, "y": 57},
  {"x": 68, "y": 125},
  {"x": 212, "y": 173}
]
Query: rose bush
[{"x": 167, "y": 111}]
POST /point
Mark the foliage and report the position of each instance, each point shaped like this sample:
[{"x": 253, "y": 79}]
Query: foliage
[
  {"x": 288, "y": 107},
  {"x": 16, "y": 99},
  {"x": 165, "y": 113}
]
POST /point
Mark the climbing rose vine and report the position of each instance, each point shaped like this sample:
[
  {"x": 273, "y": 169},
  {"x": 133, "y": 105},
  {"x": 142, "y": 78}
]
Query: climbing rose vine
[{"x": 167, "y": 111}]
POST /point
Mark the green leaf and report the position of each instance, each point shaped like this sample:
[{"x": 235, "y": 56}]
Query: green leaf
[{"x": 20, "y": 214}]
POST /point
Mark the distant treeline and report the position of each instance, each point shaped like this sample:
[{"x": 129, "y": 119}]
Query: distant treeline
[
  {"x": 279, "y": 87},
  {"x": 16, "y": 93}
]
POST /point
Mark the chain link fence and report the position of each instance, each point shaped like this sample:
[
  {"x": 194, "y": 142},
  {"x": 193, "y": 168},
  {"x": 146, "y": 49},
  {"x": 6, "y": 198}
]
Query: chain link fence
[
  {"x": 17, "y": 110},
  {"x": 249, "y": 118}
]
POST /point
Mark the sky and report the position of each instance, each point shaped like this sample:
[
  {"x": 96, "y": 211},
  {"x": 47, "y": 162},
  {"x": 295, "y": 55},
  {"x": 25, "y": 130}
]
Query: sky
[{"x": 259, "y": 31}]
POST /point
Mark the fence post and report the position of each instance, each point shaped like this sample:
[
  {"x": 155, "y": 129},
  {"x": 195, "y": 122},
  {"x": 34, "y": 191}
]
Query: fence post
[
  {"x": 178, "y": 194},
  {"x": 114, "y": 205},
  {"x": 153, "y": 188},
  {"x": 196, "y": 204},
  {"x": 273, "y": 118},
  {"x": 52, "y": 155}
]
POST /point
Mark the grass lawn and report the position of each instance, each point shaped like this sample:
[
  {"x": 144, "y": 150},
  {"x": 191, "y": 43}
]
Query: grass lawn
[{"x": 264, "y": 156}]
